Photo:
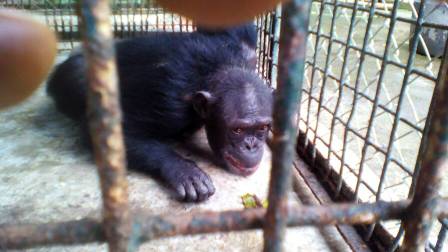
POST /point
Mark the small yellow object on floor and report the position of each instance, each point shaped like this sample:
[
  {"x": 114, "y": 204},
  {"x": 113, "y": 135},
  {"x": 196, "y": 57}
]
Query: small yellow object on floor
[{"x": 252, "y": 201}]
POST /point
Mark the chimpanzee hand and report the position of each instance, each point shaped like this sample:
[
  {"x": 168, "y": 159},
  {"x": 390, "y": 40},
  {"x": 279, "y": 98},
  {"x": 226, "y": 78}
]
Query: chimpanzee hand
[{"x": 189, "y": 181}]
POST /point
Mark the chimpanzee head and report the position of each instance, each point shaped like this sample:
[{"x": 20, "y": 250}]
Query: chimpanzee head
[{"x": 237, "y": 114}]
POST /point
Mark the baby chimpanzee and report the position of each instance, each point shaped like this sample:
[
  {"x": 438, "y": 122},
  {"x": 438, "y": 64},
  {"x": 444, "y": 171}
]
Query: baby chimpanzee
[{"x": 172, "y": 84}]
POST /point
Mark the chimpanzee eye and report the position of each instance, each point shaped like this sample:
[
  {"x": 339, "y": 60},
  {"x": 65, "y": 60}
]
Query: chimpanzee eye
[
  {"x": 264, "y": 127},
  {"x": 237, "y": 131}
]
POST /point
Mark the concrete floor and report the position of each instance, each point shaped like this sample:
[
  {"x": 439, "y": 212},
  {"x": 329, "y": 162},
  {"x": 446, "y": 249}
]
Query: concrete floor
[{"x": 45, "y": 176}]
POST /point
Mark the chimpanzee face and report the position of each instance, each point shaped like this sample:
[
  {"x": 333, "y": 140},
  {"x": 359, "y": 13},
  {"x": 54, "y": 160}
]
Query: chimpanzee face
[
  {"x": 238, "y": 119},
  {"x": 243, "y": 145}
]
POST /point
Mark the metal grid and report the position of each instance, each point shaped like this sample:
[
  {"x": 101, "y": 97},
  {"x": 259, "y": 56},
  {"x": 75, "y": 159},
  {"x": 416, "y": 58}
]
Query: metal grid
[
  {"x": 326, "y": 47},
  {"x": 129, "y": 18},
  {"x": 367, "y": 96},
  {"x": 268, "y": 27}
]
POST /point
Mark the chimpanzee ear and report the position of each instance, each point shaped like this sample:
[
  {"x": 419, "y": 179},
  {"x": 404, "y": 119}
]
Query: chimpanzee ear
[{"x": 202, "y": 100}]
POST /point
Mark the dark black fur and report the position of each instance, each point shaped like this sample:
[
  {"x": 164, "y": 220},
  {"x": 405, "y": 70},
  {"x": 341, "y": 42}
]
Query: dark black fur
[{"x": 171, "y": 84}]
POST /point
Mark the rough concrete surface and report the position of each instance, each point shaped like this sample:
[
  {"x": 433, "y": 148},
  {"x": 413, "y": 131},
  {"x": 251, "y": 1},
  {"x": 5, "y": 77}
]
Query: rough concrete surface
[{"x": 46, "y": 175}]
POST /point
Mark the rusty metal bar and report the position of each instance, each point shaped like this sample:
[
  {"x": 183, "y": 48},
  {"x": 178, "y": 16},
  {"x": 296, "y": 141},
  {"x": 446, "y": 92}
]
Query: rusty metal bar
[
  {"x": 104, "y": 116},
  {"x": 22, "y": 236},
  {"x": 434, "y": 165},
  {"x": 151, "y": 227},
  {"x": 294, "y": 28},
  {"x": 275, "y": 47},
  {"x": 441, "y": 238}
]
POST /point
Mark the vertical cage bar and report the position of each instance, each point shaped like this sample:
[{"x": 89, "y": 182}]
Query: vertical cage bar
[
  {"x": 293, "y": 39},
  {"x": 314, "y": 70},
  {"x": 270, "y": 39},
  {"x": 441, "y": 238},
  {"x": 266, "y": 31},
  {"x": 260, "y": 43},
  {"x": 343, "y": 78},
  {"x": 104, "y": 116},
  {"x": 325, "y": 76},
  {"x": 275, "y": 44},
  {"x": 420, "y": 217}
]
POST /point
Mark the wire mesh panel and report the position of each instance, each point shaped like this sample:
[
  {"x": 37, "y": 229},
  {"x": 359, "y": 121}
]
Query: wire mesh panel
[
  {"x": 129, "y": 18},
  {"x": 371, "y": 71},
  {"x": 268, "y": 39}
]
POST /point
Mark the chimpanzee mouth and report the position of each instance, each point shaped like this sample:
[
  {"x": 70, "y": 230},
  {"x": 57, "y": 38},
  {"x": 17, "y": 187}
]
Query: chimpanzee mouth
[{"x": 237, "y": 167}]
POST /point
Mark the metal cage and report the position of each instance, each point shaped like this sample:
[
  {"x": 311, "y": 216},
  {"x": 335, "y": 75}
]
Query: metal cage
[
  {"x": 372, "y": 123},
  {"x": 371, "y": 75}
]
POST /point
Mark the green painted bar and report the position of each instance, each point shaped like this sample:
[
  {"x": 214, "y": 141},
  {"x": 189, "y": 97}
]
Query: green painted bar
[{"x": 294, "y": 30}]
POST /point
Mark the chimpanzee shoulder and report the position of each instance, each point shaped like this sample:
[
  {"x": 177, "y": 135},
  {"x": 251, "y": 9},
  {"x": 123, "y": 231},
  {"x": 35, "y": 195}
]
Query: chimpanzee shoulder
[{"x": 158, "y": 71}]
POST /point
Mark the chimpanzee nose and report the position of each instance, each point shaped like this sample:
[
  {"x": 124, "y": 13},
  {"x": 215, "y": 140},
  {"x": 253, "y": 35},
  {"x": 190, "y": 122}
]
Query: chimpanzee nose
[{"x": 251, "y": 144}]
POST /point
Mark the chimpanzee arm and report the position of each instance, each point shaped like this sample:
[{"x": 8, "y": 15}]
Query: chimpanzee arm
[{"x": 182, "y": 175}]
